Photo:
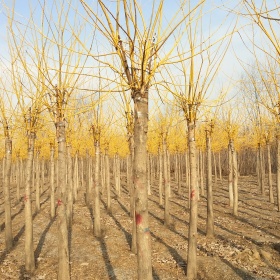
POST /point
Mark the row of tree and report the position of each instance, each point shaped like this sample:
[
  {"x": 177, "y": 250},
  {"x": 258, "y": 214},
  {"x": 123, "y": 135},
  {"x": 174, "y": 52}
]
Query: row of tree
[{"x": 72, "y": 54}]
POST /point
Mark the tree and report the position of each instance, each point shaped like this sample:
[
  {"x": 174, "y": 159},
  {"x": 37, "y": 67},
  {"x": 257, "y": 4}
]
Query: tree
[
  {"x": 7, "y": 165},
  {"x": 266, "y": 17},
  {"x": 50, "y": 50},
  {"x": 198, "y": 69},
  {"x": 210, "y": 216},
  {"x": 137, "y": 40}
]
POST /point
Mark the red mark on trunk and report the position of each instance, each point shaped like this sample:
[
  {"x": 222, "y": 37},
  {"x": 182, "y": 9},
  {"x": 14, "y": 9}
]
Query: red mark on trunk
[
  {"x": 192, "y": 194},
  {"x": 25, "y": 198},
  {"x": 138, "y": 218},
  {"x": 59, "y": 202}
]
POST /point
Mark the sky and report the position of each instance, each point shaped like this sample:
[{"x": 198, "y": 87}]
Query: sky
[{"x": 215, "y": 18}]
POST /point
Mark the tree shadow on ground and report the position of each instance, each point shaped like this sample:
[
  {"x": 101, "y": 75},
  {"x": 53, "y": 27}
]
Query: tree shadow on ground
[
  {"x": 40, "y": 244},
  {"x": 2, "y": 226},
  {"x": 107, "y": 261}
]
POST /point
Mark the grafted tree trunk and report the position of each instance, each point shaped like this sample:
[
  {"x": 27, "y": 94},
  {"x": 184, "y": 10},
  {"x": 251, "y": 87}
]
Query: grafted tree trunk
[
  {"x": 42, "y": 176},
  {"x": 278, "y": 172},
  {"x": 117, "y": 174},
  {"x": 7, "y": 199},
  {"x": 76, "y": 177},
  {"x": 235, "y": 181},
  {"x": 29, "y": 246},
  {"x": 52, "y": 187},
  {"x": 260, "y": 169},
  {"x": 271, "y": 196},
  {"x": 168, "y": 173},
  {"x": 230, "y": 173},
  {"x": 18, "y": 179},
  {"x": 192, "y": 235},
  {"x": 37, "y": 183},
  {"x": 102, "y": 173},
  {"x": 130, "y": 175},
  {"x": 215, "y": 168},
  {"x": 97, "y": 225},
  {"x": 144, "y": 260},
  {"x": 176, "y": 166},
  {"x": 160, "y": 176},
  {"x": 210, "y": 215},
  {"x": 188, "y": 184},
  {"x": 179, "y": 173},
  {"x": 69, "y": 189},
  {"x": 149, "y": 174},
  {"x": 132, "y": 197},
  {"x": 201, "y": 172},
  {"x": 88, "y": 178},
  {"x": 166, "y": 185},
  {"x": 63, "y": 249},
  {"x": 220, "y": 167},
  {"x": 198, "y": 174},
  {"x": 107, "y": 180}
]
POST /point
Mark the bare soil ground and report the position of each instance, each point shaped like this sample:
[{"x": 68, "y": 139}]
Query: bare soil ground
[{"x": 244, "y": 247}]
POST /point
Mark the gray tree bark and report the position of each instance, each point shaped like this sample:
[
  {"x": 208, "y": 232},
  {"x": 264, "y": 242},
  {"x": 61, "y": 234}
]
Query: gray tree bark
[
  {"x": 192, "y": 235},
  {"x": 210, "y": 214},
  {"x": 63, "y": 248},
  {"x": 29, "y": 246},
  {"x": 7, "y": 198},
  {"x": 144, "y": 259},
  {"x": 271, "y": 196}
]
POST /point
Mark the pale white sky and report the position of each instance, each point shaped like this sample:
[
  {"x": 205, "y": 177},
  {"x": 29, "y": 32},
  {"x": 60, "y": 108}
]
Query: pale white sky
[{"x": 216, "y": 14}]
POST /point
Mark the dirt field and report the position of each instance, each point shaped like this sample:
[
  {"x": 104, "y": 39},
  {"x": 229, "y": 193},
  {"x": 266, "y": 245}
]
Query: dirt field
[{"x": 245, "y": 247}]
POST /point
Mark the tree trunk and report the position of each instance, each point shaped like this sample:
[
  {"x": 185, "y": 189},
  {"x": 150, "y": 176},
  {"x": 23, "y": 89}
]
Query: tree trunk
[
  {"x": 215, "y": 168},
  {"x": 235, "y": 182},
  {"x": 179, "y": 173},
  {"x": 29, "y": 246},
  {"x": 271, "y": 197},
  {"x": 76, "y": 177},
  {"x": 166, "y": 186},
  {"x": 97, "y": 225},
  {"x": 210, "y": 215},
  {"x": 33, "y": 176},
  {"x": 63, "y": 249},
  {"x": 278, "y": 172},
  {"x": 130, "y": 178},
  {"x": 102, "y": 174},
  {"x": 18, "y": 180},
  {"x": 52, "y": 182},
  {"x": 69, "y": 190},
  {"x": 37, "y": 183},
  {"x": 192, "y": 236},
  {"x": 230, "y": 173},
  {"x": 160, "y": 177},
  {"x": 149, "y": 174},
  {"x": 198, "y": 174},
  {"x": 7, "y": 199},
  {"x": 81, "y": 173},
  {"x": 260, "y": 169},
  {"x": 168, "y": 173},
  {"x": 220, "y": 167},
  {"x": 188, "y": 184},
  {"x": 107, "y": 181},
  {"x": 42, "y": 175},
  {"x": 88, "y": 178},
  {"x": 144, "y": 258},
  {"x": 201, "y": 172}
]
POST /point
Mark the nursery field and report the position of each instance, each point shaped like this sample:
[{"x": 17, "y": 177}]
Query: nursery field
[{"x": 244, "y": 247}]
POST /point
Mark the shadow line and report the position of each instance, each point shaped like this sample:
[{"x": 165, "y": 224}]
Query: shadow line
[
  {"x": 106, "y": 257},
  {"x": 40, "y": 244}
]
